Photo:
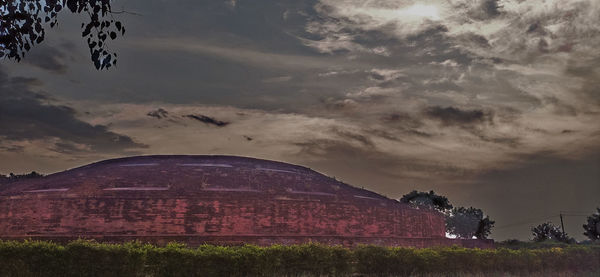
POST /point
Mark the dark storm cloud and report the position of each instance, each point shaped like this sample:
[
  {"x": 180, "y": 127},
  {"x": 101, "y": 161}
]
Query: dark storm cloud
[
  {"x": 403, "y": 119},
  {"x": 350, "y": 136},
  {"x": 159, "y": 113},
  {"x": 485, "y": 10},
  {"x": 510, "y": 141},
  {"x": 407, "y": 123},
  {"x": 491, "y": 7},
  {"x": 455, "y": 116},
  {"x": 28, "y": 115},
  {"x": 208, "y": 120},
  {"x": 49, "y": 58}
]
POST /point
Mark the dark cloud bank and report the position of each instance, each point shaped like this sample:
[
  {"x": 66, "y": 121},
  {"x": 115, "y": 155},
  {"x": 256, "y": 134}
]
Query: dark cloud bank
[
  {"x": 456, "y": 116},
  {"x": 29, "y": 115},
  {"x": 53, "y": 59},
  {"x": 207, "y": 120}
]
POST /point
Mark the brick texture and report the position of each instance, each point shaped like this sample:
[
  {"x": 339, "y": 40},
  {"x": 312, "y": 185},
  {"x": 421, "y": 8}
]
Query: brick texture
[{"x": 211, "y": 199}]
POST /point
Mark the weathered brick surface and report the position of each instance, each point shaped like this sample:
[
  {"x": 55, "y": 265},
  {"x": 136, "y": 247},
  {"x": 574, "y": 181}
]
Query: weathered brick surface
[{"x": 217, "y": 199}]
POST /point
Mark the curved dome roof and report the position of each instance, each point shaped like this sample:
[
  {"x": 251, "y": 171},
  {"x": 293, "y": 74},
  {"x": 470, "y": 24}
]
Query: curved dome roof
[{"x": 188, "y": 176}]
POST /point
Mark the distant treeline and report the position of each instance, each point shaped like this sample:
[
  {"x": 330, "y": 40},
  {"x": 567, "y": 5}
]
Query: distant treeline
[
  {"x": 84, "y": 258},
  {"x": 11, "y": 177}
]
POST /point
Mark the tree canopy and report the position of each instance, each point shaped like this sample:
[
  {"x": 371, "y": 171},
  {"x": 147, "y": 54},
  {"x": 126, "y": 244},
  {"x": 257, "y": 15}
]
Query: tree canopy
[
  {"x": 468, "y": 223},
  {"x": 548, "y": 231},
  {"x": 461, "y": 222},
  {"x": 592, "y": 227},
  {"x": 427, "y": 199},
  {"x": 15, "y": 177},
  {"x": 22, "y": 26}
]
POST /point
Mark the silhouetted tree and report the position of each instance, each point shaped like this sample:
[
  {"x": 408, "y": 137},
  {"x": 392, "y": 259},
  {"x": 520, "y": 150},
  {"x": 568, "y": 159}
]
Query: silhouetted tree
[
  {"x": 592, "y": 228},
  {"x": 22, "y": 26},
  {"x": 484, "y": 228},
  {"x": 15, "y": 177},
  {"x": 548, "y": 231},
  {"x": 427, "y": 199},
  {"x": 468, "y": 223}
]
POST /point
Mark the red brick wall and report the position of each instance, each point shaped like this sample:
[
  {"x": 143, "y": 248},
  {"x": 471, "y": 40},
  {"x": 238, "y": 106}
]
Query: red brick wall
[
  {"x": 26, "y": 215},
  {"x": 247, "y": 200},
  {"x": 235, "y": 220}
]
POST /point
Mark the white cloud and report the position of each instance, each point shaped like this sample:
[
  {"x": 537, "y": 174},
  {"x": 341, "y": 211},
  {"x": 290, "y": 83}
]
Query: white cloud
[{"x": 405, "y": 17}]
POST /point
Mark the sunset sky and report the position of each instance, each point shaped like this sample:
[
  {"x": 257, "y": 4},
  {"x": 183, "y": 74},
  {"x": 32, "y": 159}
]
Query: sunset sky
[{"x": 492, "y": 103}]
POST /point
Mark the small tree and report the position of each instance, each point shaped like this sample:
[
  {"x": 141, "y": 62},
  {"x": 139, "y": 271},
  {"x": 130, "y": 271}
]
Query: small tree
[
  {"x": 592, "y": 228},
  {"x": 548, "y": 231},
  {"x": 468, "y": 223},
  {"x": 484, "y": 229},
  {"x": 430, "y": 200}
]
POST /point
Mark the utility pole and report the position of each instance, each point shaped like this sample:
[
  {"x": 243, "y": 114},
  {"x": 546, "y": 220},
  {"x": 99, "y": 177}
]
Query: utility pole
[{"x": 562, "y": 225}]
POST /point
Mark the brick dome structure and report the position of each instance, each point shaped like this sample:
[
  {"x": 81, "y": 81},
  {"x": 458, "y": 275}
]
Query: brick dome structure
[{"x": 210, "y": 199}]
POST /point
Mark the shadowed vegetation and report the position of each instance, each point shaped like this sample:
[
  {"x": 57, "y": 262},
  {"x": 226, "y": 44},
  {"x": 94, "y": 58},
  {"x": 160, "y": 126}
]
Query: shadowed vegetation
[{"x": 84, "y": 258}]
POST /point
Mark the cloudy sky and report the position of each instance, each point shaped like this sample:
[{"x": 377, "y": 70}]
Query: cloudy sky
[{"x": 493, "y": 103}]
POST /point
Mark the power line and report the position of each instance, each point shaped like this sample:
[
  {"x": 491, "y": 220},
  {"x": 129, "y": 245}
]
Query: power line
[
  {"x": 529, "y": 221},
  {"x": 536, "y": 220},
  {"x": 577, "y": 212}
]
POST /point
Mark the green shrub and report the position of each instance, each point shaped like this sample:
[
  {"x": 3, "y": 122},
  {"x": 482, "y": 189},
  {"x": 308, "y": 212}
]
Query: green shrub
[{"x": 88, "y": 258}]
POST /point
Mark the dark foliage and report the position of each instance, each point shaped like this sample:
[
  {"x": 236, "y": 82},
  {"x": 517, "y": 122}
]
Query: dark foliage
[
  {"x": 427, "y": 199},
  {"x": 547, "y": 244},
  {"x": 484, "y": 228},
  {"x": 548, "y": 231},
  {"x": 592, "y": 227},
  {"x": 15, "y": 177},
  {"x": 22, "y": 26},
  {"x": 468, "y": 223},
  {"x": 82, "y": 258}
]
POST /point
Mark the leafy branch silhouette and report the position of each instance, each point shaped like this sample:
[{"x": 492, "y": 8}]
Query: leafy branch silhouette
[{"x": 22, "y": 26}]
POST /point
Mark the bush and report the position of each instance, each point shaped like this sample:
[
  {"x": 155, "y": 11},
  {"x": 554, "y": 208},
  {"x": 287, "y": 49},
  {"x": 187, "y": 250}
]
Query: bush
[{"x": 88, "y": 258}]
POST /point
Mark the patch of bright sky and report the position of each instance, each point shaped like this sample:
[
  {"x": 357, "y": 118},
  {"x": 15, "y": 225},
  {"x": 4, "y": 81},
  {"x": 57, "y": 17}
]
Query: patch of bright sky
[
  {"x": 414, "y": 12},
  {"x": 487, "y": 28},
  {"x": 420, "y": 10}
]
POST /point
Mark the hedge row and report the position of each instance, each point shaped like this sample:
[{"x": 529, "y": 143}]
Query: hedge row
[
  {"x": 84, "y": 258},
  {"x": 517, "y": 244}
]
